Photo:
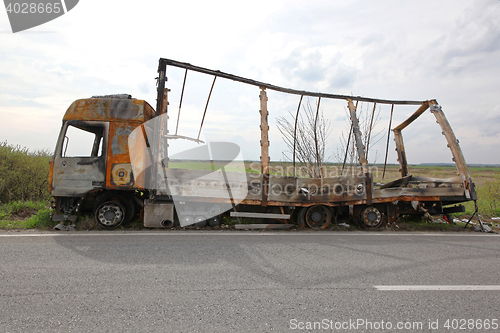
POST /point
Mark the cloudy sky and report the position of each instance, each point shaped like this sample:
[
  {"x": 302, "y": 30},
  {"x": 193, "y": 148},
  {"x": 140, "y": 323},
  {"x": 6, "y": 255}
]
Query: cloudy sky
[{"x": 412, "y": 50}]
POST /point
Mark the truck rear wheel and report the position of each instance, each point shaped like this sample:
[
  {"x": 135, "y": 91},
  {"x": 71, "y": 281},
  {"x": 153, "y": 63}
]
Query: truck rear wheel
[
  {"x": 318, "y": 217},
  {"x": 370, "y": 217}
]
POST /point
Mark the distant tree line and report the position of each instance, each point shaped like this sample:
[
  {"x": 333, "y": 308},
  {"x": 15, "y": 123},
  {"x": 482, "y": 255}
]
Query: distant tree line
[{"x": 23, "y": 174}]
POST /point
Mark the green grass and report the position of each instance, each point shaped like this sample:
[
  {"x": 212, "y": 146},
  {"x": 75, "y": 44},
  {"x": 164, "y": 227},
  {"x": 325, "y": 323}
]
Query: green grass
[
  {"x": 23, "y": 174},
  {"x": 26, "y": 215}
]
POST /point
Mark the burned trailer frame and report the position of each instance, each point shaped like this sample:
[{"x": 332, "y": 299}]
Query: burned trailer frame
[{"x": 316, "y": 201}]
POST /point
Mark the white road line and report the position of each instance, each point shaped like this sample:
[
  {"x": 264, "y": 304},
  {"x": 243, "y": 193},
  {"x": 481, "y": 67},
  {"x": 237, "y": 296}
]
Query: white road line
[{"x": 431, "y": 287}]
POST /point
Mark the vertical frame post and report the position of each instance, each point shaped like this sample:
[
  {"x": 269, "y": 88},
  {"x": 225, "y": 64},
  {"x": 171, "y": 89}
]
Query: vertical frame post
[
  {"x": 400, "y": 149},
  {"x": 357, "y": 137},
  {"x": 264, "y": 145},
  {"x": 454, "y": 146}
]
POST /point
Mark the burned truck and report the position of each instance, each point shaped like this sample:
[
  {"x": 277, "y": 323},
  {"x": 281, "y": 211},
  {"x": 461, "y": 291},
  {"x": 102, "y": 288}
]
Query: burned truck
[{"x": 125, "y": 169}]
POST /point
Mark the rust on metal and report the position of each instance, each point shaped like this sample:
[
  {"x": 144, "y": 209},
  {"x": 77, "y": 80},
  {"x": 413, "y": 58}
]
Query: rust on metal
[
  {"x": 357, "y": 136},
  {"x": 388, "y": 137},
  {"x": 110, "y": 109},
  {"x": 318, "y": 159},
  {"x": 295, "y": 133},
  {"x": 264, "y": 145}
]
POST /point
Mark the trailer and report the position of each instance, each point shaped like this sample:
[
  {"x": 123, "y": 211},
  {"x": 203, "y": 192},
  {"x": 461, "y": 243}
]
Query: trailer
[{"x": 125, "y": 170}]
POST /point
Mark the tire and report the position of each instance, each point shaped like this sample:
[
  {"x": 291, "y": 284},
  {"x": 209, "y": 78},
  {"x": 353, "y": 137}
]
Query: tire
[
  {"x": 121, "y": 205},
  {"x": 110, "y": 214},
  {"x": 371, "y": 217},
  {"x": 318, "y": 217},
  {"x": 301, "y": 217}
]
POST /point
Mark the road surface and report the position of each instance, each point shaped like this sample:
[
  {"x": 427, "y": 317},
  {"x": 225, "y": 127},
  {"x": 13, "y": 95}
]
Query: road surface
[{"x": 242, "y": 281}]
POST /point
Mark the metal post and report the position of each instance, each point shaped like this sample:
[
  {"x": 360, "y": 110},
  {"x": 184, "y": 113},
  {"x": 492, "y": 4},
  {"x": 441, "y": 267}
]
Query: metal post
[
  {"x": 264, "y": 145},
  {"x": 388, "y": 136},
  {"x": 295, "y": 133},
  {"x": 454, "y": 146},
  {"x": 400, "y": 149},
  {"x": 180, "y": 102},
  {"x": 370, "y": 131},
  {"x": 357, "y": 137},
  {"x": 206, "y": 107},
  {"x": 318, "y": 159}
]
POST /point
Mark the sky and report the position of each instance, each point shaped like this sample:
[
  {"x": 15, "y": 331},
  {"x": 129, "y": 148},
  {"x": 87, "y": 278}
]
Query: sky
[{"x": 409, "y": 50}]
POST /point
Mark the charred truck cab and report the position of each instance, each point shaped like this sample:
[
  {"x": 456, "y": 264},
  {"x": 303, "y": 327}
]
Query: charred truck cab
[
  {"x": 92, "y": 169},
  {"x": 91, "y": 165}
]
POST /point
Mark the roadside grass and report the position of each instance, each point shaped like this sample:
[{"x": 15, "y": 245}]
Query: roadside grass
[{"x": 26, "y": 215}]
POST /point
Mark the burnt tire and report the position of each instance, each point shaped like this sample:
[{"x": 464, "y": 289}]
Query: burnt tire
[
  {"x": 122, "y": 206},
  {"x": 371, "y": 217},
  {"x": 301, "y": 217},
  {"x": 110, "y": 214},
  {"x": 318, "y": 217}
]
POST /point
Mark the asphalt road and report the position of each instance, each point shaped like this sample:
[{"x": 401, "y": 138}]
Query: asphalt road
[{"x": 171, "y": 281}]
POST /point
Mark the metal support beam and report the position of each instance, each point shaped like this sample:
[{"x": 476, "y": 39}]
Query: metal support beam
[
  {"x": 164, "y": 62},
  {"x": 454, "y": 146},
  {"x": 264, "y": 145},
  {"x": 357, "y": 137},
  {"x": 400, "y": 149},
  {"x": 295, "y": 133}
]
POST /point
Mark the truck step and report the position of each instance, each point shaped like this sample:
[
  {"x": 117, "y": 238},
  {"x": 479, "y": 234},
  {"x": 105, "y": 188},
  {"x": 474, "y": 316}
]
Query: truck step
[
  {"x": 261, "y": 215},
  {"x": 263, "y": 226}
]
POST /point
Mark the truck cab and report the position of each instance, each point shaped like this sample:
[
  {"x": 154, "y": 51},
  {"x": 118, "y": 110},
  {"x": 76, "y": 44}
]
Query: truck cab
[{"x": 91, "y": 164}]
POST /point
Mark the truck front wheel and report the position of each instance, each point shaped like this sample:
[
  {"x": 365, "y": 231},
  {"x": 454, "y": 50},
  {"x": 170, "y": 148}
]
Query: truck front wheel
[
  {"x": 112, "y": 209},
  {"x": 110, "y": 214}
]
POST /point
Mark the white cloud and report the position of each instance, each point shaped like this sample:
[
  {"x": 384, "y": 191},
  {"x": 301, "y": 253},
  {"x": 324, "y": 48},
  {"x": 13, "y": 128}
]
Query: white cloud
[{"x": 389, "y": 49}]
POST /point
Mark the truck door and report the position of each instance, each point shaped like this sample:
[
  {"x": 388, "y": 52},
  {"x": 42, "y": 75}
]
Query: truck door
[{"x": 80, "y": 158}]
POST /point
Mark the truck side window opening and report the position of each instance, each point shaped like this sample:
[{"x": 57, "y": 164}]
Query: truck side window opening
[{"x": 83, "y": 141}]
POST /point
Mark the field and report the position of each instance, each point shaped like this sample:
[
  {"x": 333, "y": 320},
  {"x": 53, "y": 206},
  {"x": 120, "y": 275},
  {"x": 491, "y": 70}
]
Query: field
[
  {"x": 486, "y": 179},
  {"x": 25, "y": 201}
]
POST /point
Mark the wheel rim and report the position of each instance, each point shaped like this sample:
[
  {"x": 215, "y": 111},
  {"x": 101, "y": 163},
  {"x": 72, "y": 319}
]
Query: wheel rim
[
  {"x": 110, "y": 214},
  {"x": 371, "y": 217},
  {"x": 318, "y": 217}
]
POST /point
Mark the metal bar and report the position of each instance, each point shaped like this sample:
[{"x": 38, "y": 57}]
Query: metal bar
[
  {"x": 370, "y": 131},
  {"x": 263, "y": 226},
  {"x": 281, "y": 89},
  {"x": 454, "y": 146},
  {"x": 415, "y": 115},
  {"x": 162, "y": 68},
  {"x": 400, "y": 148},
  {"x": 180, "y": 102},
  {"x": 346, "y": 150},
  {"x": 357, "y": 137},
  {"x": 318, "y": 160},
  {"x": 206, "y": 107},
  {"x": 348, "y": 144},
  {"x": 261, "y": 215},
  {"x": 264, "y": 145},
  {"x": 387, "y": 146},
  {"x": 295, "y": 133}
]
